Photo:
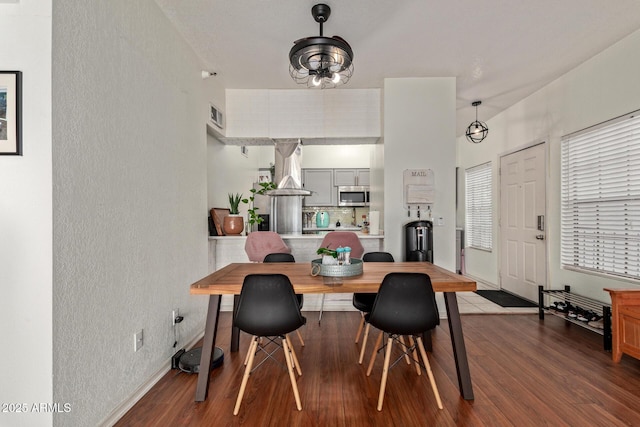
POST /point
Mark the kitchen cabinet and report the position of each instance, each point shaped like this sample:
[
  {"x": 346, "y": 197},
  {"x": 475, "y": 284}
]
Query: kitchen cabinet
[
  {"x": 320, "y": 181},
  {"x": 350, "y": 177}
]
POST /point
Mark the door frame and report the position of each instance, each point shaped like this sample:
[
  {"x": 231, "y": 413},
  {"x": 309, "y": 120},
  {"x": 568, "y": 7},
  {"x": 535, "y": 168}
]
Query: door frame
[{"x": 547, "y": 228}]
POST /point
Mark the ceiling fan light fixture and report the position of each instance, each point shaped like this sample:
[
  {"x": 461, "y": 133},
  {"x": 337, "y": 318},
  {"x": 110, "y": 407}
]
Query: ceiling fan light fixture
[
  {"x": 322, "y": 62},
  {"x": 477, "y": 131}
]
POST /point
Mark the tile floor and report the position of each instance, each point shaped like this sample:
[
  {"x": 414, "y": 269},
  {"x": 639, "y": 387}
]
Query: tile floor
[{"x": 472, "y": 303}]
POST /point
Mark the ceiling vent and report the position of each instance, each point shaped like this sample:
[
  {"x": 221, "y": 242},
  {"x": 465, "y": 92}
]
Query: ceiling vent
[{"x": 216, "y": 117}]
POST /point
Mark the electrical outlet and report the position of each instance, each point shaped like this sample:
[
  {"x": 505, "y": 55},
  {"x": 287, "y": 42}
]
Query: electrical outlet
[
  {"x": 174, "y": 315},
  {"x": 138, "y": 340}
]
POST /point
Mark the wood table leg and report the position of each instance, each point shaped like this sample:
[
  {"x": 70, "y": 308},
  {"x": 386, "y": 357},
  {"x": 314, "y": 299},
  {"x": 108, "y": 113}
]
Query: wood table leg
[
  {"x": 209, "y": 342},
  {"x": 235, "y": 331},
  {"x": 459, "y": 350}
]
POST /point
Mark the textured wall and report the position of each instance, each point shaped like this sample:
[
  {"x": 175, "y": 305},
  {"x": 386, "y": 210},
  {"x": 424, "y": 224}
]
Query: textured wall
[{"x": 129, "y": 193}]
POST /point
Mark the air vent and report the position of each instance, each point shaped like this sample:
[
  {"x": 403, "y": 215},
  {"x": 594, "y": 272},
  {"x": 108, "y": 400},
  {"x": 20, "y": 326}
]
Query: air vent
[{"x": 215, "y": 116}]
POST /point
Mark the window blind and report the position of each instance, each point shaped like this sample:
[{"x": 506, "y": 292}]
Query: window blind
[
  {"x": 478, "y": 210},
  {"x": 601, "y": 198}
]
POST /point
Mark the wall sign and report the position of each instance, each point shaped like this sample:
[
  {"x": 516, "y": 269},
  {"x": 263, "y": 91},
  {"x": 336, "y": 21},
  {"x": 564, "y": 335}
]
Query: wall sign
[{"x": 418, "y": 187}]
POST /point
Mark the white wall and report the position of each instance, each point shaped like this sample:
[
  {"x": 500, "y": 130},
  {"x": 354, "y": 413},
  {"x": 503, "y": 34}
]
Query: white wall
[
  {"x": 419, "y": 133},
  {"x": 600, "y": 89},
  {"x": 25, "y": 219},
  {"x": 231, "y": 172},
  {"x": 129, "y": 199}
]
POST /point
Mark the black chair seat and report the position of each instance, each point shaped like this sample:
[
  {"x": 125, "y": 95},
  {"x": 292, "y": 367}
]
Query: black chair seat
[
  {"x": 405, "y": 305},
  {"x": 284, "y": 257},
  {"x": 264, "y": 308},
  {"x": 363, "y": 302}
]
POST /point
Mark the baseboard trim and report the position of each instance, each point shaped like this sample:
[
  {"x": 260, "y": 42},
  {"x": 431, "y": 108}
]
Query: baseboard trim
[
  {"x": 119, "y": 411},
  {"x": 487, "y": 285}
]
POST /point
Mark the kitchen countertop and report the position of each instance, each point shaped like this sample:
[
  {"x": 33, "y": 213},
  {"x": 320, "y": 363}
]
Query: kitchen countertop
[
  {"x": 360, "y": 234},
  {"x": 330, "y": 228}
]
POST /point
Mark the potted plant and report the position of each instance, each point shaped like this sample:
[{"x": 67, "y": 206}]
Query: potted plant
[
  {"x": 253, "y": 211},
  {"x": 233, "y": 223}
]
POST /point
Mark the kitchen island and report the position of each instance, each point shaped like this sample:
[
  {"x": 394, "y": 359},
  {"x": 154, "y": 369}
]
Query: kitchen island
[{"x": 224, "y": 250}]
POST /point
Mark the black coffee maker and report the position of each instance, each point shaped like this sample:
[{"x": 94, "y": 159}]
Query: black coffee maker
[{"x": 418, "y": 241}]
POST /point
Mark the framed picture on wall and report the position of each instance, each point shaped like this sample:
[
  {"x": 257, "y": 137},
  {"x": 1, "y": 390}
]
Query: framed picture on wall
[{"x": 11, "y": 113}]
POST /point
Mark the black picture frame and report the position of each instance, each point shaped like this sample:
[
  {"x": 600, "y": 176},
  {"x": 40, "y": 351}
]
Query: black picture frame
[{"x": 11, "y": 113}]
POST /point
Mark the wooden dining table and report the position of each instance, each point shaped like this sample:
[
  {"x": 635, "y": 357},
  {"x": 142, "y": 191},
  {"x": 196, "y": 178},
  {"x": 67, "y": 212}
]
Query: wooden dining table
[{"x": 228, "y": 281}]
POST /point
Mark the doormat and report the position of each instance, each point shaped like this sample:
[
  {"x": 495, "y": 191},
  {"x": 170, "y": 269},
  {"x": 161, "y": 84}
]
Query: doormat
[{"x": 505, "y": 299}]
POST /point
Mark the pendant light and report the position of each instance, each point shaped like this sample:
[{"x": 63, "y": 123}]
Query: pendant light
[
  {"x": 477, "y": 131},
  {"x": 321, "y": 62}
]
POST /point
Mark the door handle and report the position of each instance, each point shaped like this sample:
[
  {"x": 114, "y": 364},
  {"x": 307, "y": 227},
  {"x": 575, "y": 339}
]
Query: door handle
[{"x": 540, "y": 237}]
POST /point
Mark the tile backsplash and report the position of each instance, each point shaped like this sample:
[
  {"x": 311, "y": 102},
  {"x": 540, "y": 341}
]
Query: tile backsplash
[{"x": 346, "y": 216}]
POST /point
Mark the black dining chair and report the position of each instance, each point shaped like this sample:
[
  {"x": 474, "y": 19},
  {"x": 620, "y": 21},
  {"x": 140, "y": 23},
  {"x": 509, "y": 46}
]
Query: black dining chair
[
  {"x": 268, "y": 308},
  {"x": 404, "y": 306},
  {"x": 284, "y": 257},
  {"x": 364, "y": 301}
]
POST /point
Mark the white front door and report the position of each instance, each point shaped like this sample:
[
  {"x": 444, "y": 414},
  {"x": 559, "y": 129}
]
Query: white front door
[{"x": 523, "y": 246}]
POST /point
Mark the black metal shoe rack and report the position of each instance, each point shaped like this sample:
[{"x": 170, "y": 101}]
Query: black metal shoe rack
[{"x": 565, "y": 295}]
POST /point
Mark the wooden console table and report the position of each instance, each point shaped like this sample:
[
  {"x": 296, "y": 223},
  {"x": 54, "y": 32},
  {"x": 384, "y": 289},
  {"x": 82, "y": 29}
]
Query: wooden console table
[{"x": 625, "y": 322}]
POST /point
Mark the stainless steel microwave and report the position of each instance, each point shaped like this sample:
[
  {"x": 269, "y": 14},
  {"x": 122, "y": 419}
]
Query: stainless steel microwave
[{"x": 353, "y": 195}]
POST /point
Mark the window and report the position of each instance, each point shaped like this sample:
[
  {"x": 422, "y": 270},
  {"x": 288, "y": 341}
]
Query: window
[
  {"x": 601, "y": 198},
  {"x": 478, "y": 201}
]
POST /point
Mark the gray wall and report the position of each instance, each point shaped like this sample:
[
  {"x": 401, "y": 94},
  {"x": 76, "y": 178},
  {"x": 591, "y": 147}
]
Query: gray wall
[{"x": 129, "y": 200}]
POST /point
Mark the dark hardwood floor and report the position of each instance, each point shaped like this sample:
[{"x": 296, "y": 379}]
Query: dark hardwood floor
[{"x": 525, "y": 372}]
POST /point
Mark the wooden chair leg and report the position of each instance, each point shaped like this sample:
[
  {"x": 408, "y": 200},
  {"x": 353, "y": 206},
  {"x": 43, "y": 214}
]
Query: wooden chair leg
[
  {"x": 360, "y": 327},
  {"x": 374, "y": 352},
  {"x": 364, "y": 342},
  {"x": 246, "y": 358},
  {"x": 405, "y": 349},
  {"x": 432, "y": 380},
  {"x": 300, "y": 337},
  {"x": 292, "y": 376},
  {"x": 247, "y": 372},
  {"x": 415, "y": 355},
  {"x": 293, "y": 355},
  {"x": 385, "y": 373}
]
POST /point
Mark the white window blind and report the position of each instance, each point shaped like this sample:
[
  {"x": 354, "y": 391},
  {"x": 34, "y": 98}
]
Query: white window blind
[
  {"x": 601, "y": 198},
  {"x": 478, "y": 220}
]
